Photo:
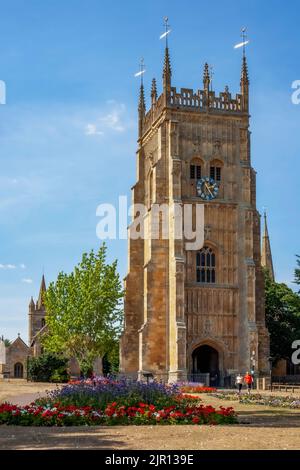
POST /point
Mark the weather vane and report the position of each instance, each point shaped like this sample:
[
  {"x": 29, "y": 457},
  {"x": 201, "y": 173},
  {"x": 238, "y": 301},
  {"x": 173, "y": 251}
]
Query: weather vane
[
  {"x": 167, "y": 30},
  {"x": 142, "y": 69},
  {"x": 244, "y": 42}
]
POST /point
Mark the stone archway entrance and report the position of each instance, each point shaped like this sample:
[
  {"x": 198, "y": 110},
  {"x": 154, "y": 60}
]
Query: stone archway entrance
[
  {"x": 18, "y": 370},
  {"x": 206, "y": 361}
]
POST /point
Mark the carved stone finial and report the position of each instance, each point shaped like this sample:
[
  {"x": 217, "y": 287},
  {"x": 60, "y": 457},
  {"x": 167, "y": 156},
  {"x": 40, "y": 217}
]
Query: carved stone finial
[
  {"x": 206, "y": 77},
  {"x": 153, "y": 91},
  {"x": 244, "y": 74}
]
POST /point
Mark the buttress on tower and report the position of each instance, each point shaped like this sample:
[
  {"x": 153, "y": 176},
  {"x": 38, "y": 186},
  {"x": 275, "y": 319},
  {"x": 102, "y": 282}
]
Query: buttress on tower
[{"x": 190, "y": 312}]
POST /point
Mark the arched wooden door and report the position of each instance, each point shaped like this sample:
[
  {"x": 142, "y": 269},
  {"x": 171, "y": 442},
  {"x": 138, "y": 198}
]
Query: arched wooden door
[{"x": 18, "y": 370}]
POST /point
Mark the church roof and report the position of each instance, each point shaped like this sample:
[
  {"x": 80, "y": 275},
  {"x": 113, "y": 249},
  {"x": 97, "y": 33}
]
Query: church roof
[
  {"x": 40, "y": 302},
  {"x": 16, "y": 341},
  {"x": 266, "y": 253}
]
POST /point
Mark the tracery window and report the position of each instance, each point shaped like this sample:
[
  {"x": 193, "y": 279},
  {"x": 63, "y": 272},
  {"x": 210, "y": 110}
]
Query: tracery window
[{"x": 206, "y": 265}]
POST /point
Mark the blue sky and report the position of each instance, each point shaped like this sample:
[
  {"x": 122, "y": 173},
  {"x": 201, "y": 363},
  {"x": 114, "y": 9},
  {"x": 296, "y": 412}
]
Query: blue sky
[{"x": 68, "y": 130}]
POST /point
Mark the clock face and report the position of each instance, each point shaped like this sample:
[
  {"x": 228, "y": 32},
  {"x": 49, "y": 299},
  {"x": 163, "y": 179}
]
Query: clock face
[{"x": 207, "y": 188}]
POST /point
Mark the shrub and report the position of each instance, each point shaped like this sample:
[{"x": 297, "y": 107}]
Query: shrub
[{"x": 48, "y": 368}]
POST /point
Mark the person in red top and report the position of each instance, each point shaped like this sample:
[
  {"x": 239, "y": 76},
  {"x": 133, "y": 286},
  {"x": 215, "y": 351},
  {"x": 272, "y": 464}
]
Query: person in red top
[{"x": 248, "y": 379}]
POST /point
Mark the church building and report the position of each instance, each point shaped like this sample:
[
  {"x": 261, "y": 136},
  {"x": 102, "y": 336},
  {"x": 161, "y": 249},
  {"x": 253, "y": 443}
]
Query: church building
[
  {"x": 193, "y": 312},
  {"x": 14, "y": 357}
]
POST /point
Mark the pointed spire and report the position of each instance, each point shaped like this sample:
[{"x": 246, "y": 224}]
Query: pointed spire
[
  {"x": 142, "y": 105},
  {"x": 167, "y": 71},
  {"x": 167, "y": 74},
  {"x": 266, "y": 253},
  {"x": 244, "y": 74},
  {"x": 40, "y": 302},
  {"x": 31, "y": 304},
  {"x": 245, "y": 85},
  {"x": 153, "y": 92},
  {"x": 206, "y": 77},
  {"x": 142, "y": 109}
]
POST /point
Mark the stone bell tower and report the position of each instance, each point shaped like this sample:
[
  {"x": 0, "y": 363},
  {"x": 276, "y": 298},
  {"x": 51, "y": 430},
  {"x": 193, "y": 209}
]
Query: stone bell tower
[
  {"x": 37, "y": 313},
  {"x": 192, "y": 312}
]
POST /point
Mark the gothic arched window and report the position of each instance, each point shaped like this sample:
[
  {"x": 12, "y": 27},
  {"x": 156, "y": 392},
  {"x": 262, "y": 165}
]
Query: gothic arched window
[
  {"x": 195, "y": 171},
  {"x": 206, "y": 265},
  {"x": 195, "y": 174},
  {"x": 43, "y": 322},
  {"x": 215, "y": 173},
  {"x": 216, "y": 170}
]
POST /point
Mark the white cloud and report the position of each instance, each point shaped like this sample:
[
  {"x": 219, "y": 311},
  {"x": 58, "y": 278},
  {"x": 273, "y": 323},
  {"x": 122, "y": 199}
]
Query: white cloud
[
  {"x": 110, "y": 121},
  {"x": 27, "y": 281},
  {"x": 12, "y": 266},
  {"x": 113, "y": 120},
  {"x": 91, "y": 129}
]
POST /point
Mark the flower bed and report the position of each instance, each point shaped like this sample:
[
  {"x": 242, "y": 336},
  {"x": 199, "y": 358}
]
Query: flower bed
[
  {"x": 98, "y": 392},
  {"x": 143, "y": 413},
  {"x": 106, "y": 401},
  {"x": 196, "y": 388},
  {"x": 258, "y": 399}
]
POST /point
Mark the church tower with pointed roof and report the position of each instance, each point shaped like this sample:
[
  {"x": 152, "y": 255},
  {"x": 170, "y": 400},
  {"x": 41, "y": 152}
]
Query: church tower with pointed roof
[
  {"x": 266, "y": 253},
  {"x": 37, "y": 313}
]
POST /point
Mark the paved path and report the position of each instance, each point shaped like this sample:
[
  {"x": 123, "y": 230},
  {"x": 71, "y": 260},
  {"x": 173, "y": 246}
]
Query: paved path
[
  {"x": 235, "y": 437},
  {"x": 25, "y": 398},
  {"x": 260, "y": 427}
]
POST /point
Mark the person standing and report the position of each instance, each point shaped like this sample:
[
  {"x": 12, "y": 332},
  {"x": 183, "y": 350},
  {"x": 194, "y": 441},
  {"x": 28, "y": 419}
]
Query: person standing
[
  {"x": 239, "y": 382},
  {"x": 248, "y": 381}
]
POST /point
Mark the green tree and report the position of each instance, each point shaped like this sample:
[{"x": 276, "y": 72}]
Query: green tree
[
  {"x": 282, "y": 317},
  {"x": 111, "y": 359},
  {"x": 84, "y": 315},
  {"x": 297, "y": 272},
  {"x": 7, "y": 342},
  {"x": 48, "y": 368}
]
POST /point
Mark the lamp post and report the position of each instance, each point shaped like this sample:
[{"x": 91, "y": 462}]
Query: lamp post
[
  {"x": 270, "y": 364},
  {"x": 253, "y": 362}
]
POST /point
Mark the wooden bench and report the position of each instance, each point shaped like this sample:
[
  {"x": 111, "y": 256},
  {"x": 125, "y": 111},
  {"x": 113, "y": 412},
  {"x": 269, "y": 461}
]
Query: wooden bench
[{"x": 284, "y": 387}]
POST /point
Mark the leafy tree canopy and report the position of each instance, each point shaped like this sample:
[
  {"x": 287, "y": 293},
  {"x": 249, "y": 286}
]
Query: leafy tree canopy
[
  {"x": 297, "y": 272},
  {"x": 84, "y": 315},
  {"x": 282, "y": 317}
]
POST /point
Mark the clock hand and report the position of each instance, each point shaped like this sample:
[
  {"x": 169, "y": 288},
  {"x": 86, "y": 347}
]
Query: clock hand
[{"x": 207, "y": 187}]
